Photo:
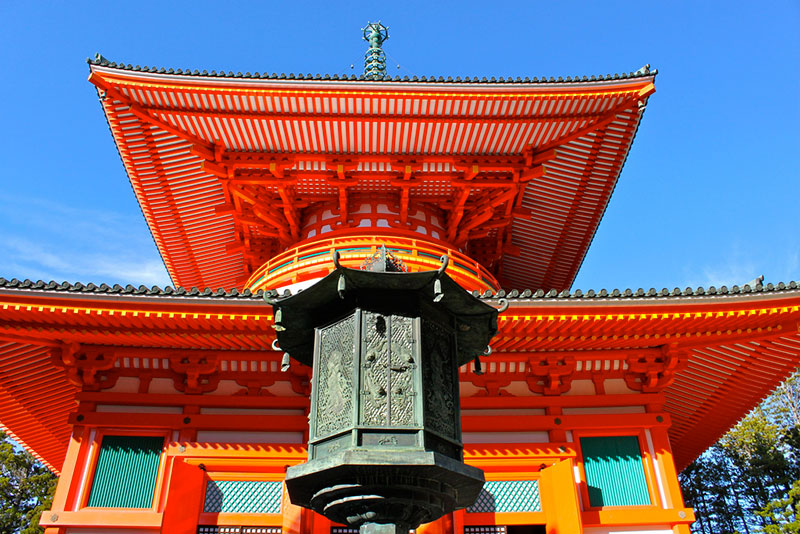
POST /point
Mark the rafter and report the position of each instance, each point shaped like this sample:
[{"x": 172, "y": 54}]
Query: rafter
[
  {"x": 142, "y": 113},
  {"x": 603, "y": 120},
  {"x": 555, "y": 259}
]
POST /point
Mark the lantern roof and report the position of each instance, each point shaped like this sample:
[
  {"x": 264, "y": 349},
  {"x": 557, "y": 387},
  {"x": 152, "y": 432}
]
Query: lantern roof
[{"x": 390, "y": 293}]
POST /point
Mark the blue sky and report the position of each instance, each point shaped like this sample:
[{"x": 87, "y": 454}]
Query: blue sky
[{"x": 708, "y": 195}]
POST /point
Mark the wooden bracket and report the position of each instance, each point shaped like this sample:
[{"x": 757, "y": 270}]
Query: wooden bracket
[
  {"x": 652, "y": 372},
  {"x": 195, "y": 373},
  {"x": 90, "y": 369},
  {"x": 550, "y": 374}
]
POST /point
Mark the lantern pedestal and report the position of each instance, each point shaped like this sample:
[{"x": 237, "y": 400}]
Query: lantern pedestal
[{"x": 360, "y": 487}]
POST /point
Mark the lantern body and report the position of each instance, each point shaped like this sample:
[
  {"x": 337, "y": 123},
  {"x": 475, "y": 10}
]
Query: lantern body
[
  {"x": 385, "y": 382},
  {"x": 384, "y": 427}
]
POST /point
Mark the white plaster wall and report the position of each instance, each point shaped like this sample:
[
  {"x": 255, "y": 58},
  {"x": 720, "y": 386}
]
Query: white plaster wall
[
  {"x": 218, "y": 436},
  {"x": 604, "y": 409},
  {"x": 251, "y": 411},
  {"x": 616, "y": 386},
  {"x": 125, "y": 408},
  {"x": 109, "y": 531},
  {"x": 505, "y": 437},
  {"x": 162, "y": 385},
  {"x": 628, "y": 530},
  {"x": 125, "y": 384},
  {"x": 520, "y": 388},
  {"x": 499, "y": 411},
  {"x": 282, "y": 389},
  {"x": 581, "y": 387}
]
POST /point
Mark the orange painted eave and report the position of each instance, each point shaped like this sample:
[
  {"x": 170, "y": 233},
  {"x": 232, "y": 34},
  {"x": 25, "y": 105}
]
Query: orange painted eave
[
  {"x": 219, "y": 259},
  {"x": 718, "y": 387}
]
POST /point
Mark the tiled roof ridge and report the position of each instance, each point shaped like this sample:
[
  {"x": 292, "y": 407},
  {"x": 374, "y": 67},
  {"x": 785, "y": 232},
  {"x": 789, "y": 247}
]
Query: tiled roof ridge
[
  {"x": 129, "y": 289},
  {"x": 526, "y": 294},
  {"x": 640, "y": 292},
  {"x": 101, "y": 61}
]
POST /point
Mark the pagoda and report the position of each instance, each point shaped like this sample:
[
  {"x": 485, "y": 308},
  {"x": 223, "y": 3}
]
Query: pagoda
[{"x": 167, "y": 409}]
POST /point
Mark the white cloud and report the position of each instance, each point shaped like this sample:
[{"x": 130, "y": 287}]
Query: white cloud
[
  {"x": 742, "y": 264},
  {"x": 76, "y": 245}
]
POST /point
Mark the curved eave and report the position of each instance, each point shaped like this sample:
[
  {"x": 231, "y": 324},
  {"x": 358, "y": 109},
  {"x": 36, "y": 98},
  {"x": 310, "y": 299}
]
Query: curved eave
[
  {"x": 740, "y": 345},
  {"x": 164, "y": 123}
]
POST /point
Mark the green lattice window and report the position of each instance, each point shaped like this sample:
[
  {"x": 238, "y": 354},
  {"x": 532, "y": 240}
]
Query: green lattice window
[
  {"x": 243, "y": 497},
  {"x": 614, "y": 471},
  {"x": 126, "y": 472},
  {"x": 507, "y": 496}
]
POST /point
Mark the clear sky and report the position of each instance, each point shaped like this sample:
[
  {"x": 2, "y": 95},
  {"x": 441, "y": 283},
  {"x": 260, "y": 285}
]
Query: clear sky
[{"x": 709, "y": 194}]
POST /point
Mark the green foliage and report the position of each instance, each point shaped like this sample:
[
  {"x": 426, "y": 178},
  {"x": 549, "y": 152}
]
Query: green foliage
[
  {"x": 749, "y": 482},
  {"x": 783, "y": 514},
  {"x": 26, "y": 489}
]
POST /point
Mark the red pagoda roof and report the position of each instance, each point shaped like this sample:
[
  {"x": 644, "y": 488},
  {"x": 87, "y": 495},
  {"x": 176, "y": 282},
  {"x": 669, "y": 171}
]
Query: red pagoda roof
[
  {"x": 707, "y": 356},
  {"x": 222, "y": 164}
]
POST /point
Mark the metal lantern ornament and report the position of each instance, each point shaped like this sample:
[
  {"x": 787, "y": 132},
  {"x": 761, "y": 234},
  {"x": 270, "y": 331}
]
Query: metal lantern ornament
[{"x": 384, "y": 449}]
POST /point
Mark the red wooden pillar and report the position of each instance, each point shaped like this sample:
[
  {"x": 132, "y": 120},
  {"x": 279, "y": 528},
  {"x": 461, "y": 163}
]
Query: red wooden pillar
[
  {"x": 560, "y": 499},
  {"x": 296, "y": 520},
  {"x": 458, "y": 521},
  {"x": 443, "y": 525},
  {"x": 184, "y": 499}
]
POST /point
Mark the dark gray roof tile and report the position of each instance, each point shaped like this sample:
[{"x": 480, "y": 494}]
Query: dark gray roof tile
[
  {"x": 513, "y": 294},
  {"x": 101, "y": 61}
]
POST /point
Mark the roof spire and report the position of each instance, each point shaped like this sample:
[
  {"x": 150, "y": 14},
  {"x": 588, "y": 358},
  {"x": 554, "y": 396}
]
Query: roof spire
[{"x": 375, "y": 34}]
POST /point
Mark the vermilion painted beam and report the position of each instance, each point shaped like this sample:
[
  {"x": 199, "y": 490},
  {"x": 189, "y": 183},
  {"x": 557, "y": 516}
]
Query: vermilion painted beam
[
  {"x": 167, "y": 399},
  {"x": 231, "y": 422},
  {"x": 515, "y": 423},
  {"x": 369, "y": 117}
]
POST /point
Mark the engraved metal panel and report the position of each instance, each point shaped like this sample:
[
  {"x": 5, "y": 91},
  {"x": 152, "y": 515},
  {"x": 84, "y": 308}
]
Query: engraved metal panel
[
  {"x": 335, "y": 385},
  {"x": 387, "y": 439},
  {"x": 401, "y": 375},
  {"x": 438, "y": 374},
  {"x": 374, "y": 367},
  {"x": 387, "y": 371}
]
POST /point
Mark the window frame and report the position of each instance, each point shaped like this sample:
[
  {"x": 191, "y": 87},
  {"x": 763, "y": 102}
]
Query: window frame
[
  {"x": 526, "y": 472},
  {"x": 227, "y": 519},
  {"x": 648, "y": 467},
  {"x": 94, "y": 456}
]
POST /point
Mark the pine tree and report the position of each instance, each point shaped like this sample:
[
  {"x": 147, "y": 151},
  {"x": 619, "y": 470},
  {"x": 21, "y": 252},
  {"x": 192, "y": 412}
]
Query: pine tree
[
  {"x": 783, "y": 514},
  {"x": 26, "y": 489},
  {"x": 749, "y": 482}
]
